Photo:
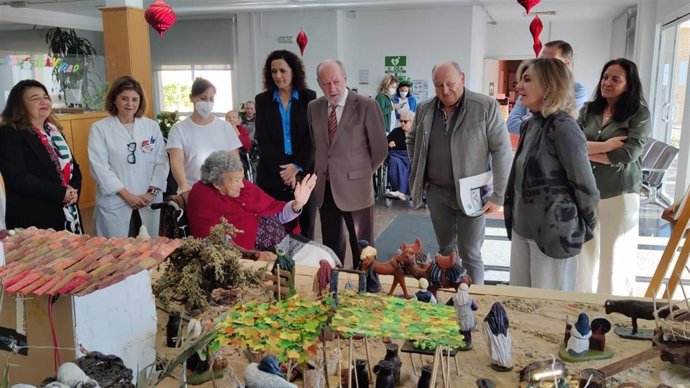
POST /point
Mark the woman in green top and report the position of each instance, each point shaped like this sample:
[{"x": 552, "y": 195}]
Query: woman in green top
[
  {"x": 617, "y": 126},
  {"x": 384, "y": 97}
]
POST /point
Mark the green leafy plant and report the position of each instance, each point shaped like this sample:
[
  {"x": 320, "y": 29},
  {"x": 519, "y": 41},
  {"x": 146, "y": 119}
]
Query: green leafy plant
[
  {"x": 166, "y": 120},
  {"x": 94, "y": 98},
  {"x": 66, "y": 47}
]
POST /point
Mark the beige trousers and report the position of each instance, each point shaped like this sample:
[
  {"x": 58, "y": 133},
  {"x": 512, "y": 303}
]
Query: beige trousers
[{"x": 607, "y": 263}]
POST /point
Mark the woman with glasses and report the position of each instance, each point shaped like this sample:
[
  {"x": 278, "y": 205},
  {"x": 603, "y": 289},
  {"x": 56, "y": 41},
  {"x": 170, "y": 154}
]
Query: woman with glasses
[
  {"x": 41, "y": 176},
  {"x": 128, "y": 163},
  {"x": 398, "y": 158},
  {"x": 282, "y": 132},
  {"x": 193, "y": 139}
]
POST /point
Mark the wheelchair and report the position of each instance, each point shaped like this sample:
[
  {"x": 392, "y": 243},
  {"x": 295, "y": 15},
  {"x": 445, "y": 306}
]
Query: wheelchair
[{"x": 250, "y": 161}]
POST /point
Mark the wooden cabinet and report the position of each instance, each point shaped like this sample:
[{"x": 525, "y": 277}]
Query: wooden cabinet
[{"x": 76, "y": 129}]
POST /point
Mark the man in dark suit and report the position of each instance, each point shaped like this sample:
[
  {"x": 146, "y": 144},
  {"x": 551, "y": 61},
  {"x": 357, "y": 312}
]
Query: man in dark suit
[{"x": 350, "y": 144}]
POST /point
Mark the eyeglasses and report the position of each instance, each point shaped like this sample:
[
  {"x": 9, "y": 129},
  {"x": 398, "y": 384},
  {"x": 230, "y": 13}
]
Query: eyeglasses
[
  {"x": 131, "y": 158},
  {"x": 405, "y": 121}
]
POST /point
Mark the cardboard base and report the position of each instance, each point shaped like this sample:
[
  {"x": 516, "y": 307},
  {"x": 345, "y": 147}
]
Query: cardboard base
[
  {"x": 589, "y": 356},
  {"x": 626, "y": 332}
]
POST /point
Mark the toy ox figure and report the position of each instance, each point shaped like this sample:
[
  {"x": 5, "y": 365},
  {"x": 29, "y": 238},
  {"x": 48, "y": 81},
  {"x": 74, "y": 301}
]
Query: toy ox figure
[{"x": 636, "y": 309}]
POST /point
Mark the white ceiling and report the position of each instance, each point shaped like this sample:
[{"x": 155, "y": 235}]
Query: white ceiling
[{"x": 499, "y": 10}]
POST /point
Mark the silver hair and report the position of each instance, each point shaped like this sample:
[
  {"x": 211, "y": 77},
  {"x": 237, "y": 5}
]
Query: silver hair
[
  {"x": 217, "y": 165},
  {"x": 249, "y": 102},
  {"x": 407, "y": 113},
  {"x": 327, "y": 61},
  {"x": 455, "y": 65}
]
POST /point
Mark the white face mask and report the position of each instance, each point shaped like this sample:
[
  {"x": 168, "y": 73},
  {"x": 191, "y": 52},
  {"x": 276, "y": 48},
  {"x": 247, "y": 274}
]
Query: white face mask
[
  {"x": 204, "y": 108},
  {"x": 391, "y": 91},
  {"x": 403, "y": 94}
]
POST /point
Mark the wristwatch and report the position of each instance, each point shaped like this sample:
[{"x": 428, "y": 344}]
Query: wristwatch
[{"x": 153, "y": 191}]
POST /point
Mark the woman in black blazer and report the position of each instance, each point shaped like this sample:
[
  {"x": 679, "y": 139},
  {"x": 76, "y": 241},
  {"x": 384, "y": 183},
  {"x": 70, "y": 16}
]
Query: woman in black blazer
[
  {"x": 42, "y": 179},
  {"x": 282, "y": 132}
]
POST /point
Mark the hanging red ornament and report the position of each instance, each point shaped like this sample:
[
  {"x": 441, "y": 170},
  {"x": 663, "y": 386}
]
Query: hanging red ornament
[
  {"x": 528, "y": 4},
  {"x": 302, "y": 41},
  {"x": 160, "y": 16},
  {"x": 535, "y": 28}
]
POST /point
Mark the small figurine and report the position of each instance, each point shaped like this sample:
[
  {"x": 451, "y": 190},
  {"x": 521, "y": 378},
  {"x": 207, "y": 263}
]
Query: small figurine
[
  {"x": 464, "y": 306},
  {"x": 636, "y": 309},
  {"x": 497, "y": 335},
  {"x": 584, "y": 341},
  {"x": 578, "y": 343},
  {"x": 424, "y": 295},
  {"x": 600, "y": 326},
  {"x": 368, "y": 255},
  {"x": 266, "y": 374},
  {"x": 323, "y": 277}
]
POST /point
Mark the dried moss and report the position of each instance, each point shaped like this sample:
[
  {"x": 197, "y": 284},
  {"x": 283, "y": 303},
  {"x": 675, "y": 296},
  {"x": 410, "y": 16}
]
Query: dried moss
[{"x": 199, "y": 266}]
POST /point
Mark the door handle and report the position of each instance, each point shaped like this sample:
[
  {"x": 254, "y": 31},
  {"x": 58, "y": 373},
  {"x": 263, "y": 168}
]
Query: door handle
[{"x": 664, "y": 112}]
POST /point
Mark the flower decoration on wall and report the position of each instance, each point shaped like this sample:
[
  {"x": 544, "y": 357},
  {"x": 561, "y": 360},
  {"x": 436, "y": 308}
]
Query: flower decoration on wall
[
  {"x": 528, "y": 4},
  {"x": 302, "y": 41},
  {"x": 160, "y": 16},
  {"x": 535, "y": 28}
]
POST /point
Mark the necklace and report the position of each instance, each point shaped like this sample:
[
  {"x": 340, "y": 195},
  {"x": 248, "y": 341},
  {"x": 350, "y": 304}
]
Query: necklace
[{"x": 606, "y": 115}]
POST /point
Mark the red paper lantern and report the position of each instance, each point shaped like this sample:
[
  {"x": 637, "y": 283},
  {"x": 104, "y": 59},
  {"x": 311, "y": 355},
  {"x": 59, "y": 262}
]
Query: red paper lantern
[
  {"x": 528, "y": 4},
  {"x": 160, "y": 16},
  {"x": 535, "y": 28},
  {"x": 302, "y": 41}
]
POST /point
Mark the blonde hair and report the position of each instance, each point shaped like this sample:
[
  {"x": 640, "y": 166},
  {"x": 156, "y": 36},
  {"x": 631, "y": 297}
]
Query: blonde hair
[
  {"x": 386, "y": 83},
  {"x": 556, "y": 83}
]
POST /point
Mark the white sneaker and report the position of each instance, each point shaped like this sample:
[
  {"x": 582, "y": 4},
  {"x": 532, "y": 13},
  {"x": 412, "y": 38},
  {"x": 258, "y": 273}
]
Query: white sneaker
[{"x": 392, "y": 194}]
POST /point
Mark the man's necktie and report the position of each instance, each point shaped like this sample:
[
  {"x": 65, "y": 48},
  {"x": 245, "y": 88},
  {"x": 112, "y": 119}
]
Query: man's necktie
[{"x": 332, "y": 124}]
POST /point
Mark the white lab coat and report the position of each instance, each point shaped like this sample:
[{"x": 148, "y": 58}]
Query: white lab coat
[{"x": 108, "y": 151}]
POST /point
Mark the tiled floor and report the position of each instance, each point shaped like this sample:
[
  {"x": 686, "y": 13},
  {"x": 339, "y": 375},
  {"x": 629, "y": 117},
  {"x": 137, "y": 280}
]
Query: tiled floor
[{"x": 654, "y": 234}]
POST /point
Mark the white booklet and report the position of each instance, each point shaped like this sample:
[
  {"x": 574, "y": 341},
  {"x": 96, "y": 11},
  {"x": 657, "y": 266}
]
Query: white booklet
[{"x": 475, "y": 192}]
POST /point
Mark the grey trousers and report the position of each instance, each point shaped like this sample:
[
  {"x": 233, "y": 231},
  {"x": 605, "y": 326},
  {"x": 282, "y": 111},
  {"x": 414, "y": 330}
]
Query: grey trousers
[
  {"x": 530, "y": 267},
  {"x": 457, "y": 232}
]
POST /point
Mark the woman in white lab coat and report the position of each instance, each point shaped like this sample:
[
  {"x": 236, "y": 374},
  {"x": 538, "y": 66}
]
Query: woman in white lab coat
[{"x": 128, "y": 163}]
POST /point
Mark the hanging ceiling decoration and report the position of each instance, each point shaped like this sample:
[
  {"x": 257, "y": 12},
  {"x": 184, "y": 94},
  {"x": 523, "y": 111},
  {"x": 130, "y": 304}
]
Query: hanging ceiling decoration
[
  {"x": 160, "y": 16},
  {"x": 528, "y": 4},
  {"x": 302, "y": 40},
  {"x": 535, "y": 28}
]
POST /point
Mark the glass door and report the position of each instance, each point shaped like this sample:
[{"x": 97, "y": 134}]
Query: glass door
[{"x": 669, "y": 97}]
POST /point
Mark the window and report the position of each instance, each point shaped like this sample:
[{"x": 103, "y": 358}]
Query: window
[{"x": 174, "y": 84}]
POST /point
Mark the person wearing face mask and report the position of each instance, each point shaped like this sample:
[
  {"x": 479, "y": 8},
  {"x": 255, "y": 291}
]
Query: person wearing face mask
[
  {"x": 404, "y": 98},
  {"x": 384, "y": 97},
  {"x": 193, "y": 139}
]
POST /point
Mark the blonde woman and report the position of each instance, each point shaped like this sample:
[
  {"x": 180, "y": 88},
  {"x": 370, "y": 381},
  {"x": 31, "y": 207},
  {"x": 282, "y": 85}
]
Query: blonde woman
[
  {"x": 384, "y": 97},
  {"x": 551, "y": 195}
]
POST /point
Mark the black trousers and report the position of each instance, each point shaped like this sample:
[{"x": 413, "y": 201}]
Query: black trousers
[{"x": 359, "y": 224}]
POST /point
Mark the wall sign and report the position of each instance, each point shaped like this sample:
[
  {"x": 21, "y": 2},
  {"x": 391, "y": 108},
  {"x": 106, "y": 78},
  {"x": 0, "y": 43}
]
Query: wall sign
[{"x": 396, "y": 66}]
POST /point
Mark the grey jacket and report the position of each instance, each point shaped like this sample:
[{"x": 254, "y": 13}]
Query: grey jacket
[
  {"x": 479, "y": 143},
  {"x": 558, "y": 188}
]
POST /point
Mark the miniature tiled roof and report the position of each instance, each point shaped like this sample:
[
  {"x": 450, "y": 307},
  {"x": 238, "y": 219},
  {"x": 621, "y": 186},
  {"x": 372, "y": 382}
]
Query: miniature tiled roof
[{"x": 46, "y": 262}]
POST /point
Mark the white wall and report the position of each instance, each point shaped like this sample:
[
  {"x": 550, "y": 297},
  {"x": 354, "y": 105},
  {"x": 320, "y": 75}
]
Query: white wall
[
  {"x": 478, "y": 49},
  {"x": 590, "y": 40},
  {"x": 426, "y": 36},
  {"x": 258, "y": 35}
]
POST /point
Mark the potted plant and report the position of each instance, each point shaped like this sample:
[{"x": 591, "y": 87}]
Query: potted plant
[{"x": 72, "y": 56}]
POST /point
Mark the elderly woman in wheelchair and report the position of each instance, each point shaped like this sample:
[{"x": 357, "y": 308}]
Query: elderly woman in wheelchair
[
  {"x": 265, "y": 223},
  {"x": 398, "y": 160}
]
